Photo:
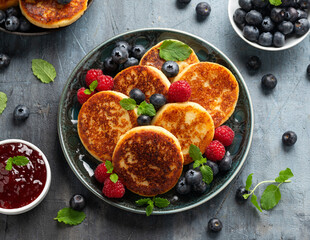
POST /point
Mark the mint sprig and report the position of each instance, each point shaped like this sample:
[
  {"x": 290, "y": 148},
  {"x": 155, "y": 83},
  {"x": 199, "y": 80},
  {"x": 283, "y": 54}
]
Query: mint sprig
[
  {"x": 70, "y": 216},
  {"x": 171, "y": 50},
  {"x": 128, "y": 104},
  {"x": 3, "y": 101},
  {"x": 109, "y": 166},
  {"x": 144, "y": 108},
  {"x": 17, "y": 160},
  {"x": 275, "y": 2},
  {"x": 92, "y": 87},
  {"x": 157, "y": 201},
  {"x": 43, "y": 70},
  {"x": 271, "y": 195}
]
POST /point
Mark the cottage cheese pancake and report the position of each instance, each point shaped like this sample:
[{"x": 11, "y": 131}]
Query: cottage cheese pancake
[
  {"x": 214, "y": 87},
  {"x": 189, "y": 122},
  {"x": 149, "y": 160},
  {"x": 4, "y": 4},
  {"x": 102, "y": 121},
  {"x": 50, "y": 14}
]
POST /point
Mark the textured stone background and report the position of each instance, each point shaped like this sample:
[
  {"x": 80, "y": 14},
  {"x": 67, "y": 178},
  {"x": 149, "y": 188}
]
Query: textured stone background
[{"x": 286, "y": 108}]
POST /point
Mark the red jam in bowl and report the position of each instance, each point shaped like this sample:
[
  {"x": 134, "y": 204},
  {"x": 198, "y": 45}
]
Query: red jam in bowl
[{"x": 23, "y": 184}]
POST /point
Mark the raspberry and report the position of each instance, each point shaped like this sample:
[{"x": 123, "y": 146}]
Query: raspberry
[
  {"x": 179, "y": 91},
  {"x": 105, "y": 83},
  {"x": 113, "y": 190},
  {"x": 215, "y": 151},
  {"x": 92, "y": 75},
  {"x": 101, "y": 173},
  {"x": 225, "y": 135},
  {"x": 82, "y": 96}
]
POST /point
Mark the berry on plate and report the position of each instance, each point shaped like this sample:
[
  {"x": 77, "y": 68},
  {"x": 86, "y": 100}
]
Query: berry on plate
[
  {"x": 193, "y": 177},
  {"x": 144, "y": 120},
  {"x": 183, "y": 187},
  {"x": 179, "y": 91},
  {"x": 158, "y": 100},
  {"x": 138, "y": 51},
  {"x": 78, "y": 202},
  {"x": 92, "y": 75},
  {"x": 105, "y": 83},
  {"x": 215, "y": 151},
  {"x": 113, "y": 190},
  {"x": 225, "y": 163},
  {"x": 170, "y": 69},
  {"x": 200, "y": 187},
  {"x": 137, "y": 95},
  {"x": 225, "y": 135},
  {"x": 82, "y": 96},
  {"x": 101, "y": 173},
  {"x": 4, "y": 61}
]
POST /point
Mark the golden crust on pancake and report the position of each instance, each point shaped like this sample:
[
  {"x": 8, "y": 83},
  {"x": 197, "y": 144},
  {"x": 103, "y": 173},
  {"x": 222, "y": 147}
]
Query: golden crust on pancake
[
  {"x": 149, "y": 160},
  {"x": 189, "y": 122},
  {"x": 148, "y": 79},
  {"x": 151, "y": 58},
  {"x": 214, "y": 87},
  {"x": 4, "y": 4},
  {"x": 50, "y": 14},
  {"x": 102, "y": 121}
]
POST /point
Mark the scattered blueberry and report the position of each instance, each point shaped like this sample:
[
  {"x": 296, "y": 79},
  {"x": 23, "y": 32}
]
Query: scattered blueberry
[
  {"x": 246, "y": 5},
  {"x": 289, "y": 138},
  {"x": 201, "y": 187},
  {"x": 214, "y": 167},
  {"x": 170, "y": 69},
  {"x": 254, "y": 18},
  {"x": 2, "y": 16},
  {"x": 119, "y": 55},
  {"x": 265, "y": 39},
  {"x": 254, "y": 63},
  {"x": 158, "y": 100},
  {"x": 4, "y": 61},
  {"x": 182, "y": 186},
  {"x": 63, "y": 1},
  {"x": 12, "y": 11},
  {"x": 144, "y": 120},
  {"x": 269, "y": 81},
  {"x": 308, "y": 70},
  {"x": 11, "y": 23},
  {"x": 239, "y": 17},
  {"x": 260, "y": 3},
  {"x": 137, "y": 95},
  {"x": 123, "y": 44},
  {"x": 239, "y": 194},
  {"x": 21, "y": 113},
  {"x": 267, "y": 24},
  {"x": 251, "y": 33},
  {"x": 110, "y": 65},
  {"x": 24, "y": 25},
  {"x": 78, "y": 202},
  {"x": 278, "y": 39},
  {"x": 203, "y": 9},
  {"x": 302, "y": 26},
  {"x": 277, "y": 15},
  {"x": 138, "y": 51},
  {"x": 226, "y": 163},
  {"x": 193, "y": 177},
  {"x": 286, "y": 27},
  {"x": 215, "y": 225},
  {"x": 131, "y": 62}
]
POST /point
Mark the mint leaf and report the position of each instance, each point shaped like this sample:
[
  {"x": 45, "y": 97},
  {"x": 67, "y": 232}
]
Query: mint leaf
[
  {"x": 20, "y": 160},
  {"x": 143, "y": 201},
  {"x": 255, "y": 203},
  {"x": 109, "y": 166},
  {"x": 196, "y": 164},
  {"x": 149, "y": 208},
  {"x": 161, "y": 202},
  {"x": 70, "y": 216},
  {"x": 9, "y": 164},
  {"x": 194, "y": 152},
  {"x": 275, "y": 2},
  {"x": 114, "y": 177},
  {"x": 246, "y": 196},
  {"x": 128, "y": 103},
  {"x": 87, "y": 92},
  {"x": 248, "y": 182},
  {"x": 271, "y": 197},
  {"x": 146, "y": 109},
  {"x": 3, "y": 101},
  {"x": 43, "y": 70},
  {"x": 284, "y": 175},
  {"x": 207, "y": 174},
  {"x": 93, "y": 85},
  {"x": 171, "y": 50}
]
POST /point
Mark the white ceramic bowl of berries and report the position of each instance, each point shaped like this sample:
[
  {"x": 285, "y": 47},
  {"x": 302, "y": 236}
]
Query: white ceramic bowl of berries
[{"x": 269, "y": 27}]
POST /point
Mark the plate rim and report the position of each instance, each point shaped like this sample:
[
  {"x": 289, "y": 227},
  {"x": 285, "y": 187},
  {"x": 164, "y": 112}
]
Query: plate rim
[{"x": 155, "y": 212}]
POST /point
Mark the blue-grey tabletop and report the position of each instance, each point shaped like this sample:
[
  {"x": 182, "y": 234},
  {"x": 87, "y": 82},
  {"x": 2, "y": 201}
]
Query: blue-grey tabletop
[{"x": 284, "y": 108}]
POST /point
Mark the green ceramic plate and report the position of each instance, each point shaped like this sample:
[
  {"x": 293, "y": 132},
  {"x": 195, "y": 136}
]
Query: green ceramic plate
[{"x": 83, "y": 164}]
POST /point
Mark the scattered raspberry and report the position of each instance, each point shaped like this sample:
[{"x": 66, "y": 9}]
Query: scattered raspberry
[
  {"x": 101, "y": 173},
  {"x": 105, "y": 83},
  {"x": 113, "y": 190},
  {"x": 215, "y": 151},
  {"x": 92, "y": 75},
  {"x": 82, "y": 96},
  {"x": 225, "y": 135},
  {"x": 179, "y": 91}
]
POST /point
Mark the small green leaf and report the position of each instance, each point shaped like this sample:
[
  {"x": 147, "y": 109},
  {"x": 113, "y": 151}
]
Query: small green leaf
[
  {"x": 9, "y": 164},
  {"x": 146, "y": 109},
  {"x": 207, "y": 174},
  {"x": 246, "y": 196},
  {"x": 43, "y": 70},
  {"x": 194, "y": 152},
  {"x": 149, "y": 208},
  {"x": 128, "y": 103},
  {"x": 271, "y": 197},
  {"x": 109, "y": 166},
  {"x": 255, "y": 203},
  {"x": 70, "y": 216},
  {"x": 87, "y": 91},
  {"x": 284, "y": 175},
  {"x": 3, "y": 101},
  {"x": 93, "y": 85},
  {"x": 248, "y": 182},
  {"x": 143, "y": 201},
  {"x": 275, "y": 2},
  {"x": 171, "y": 50},
  {"x": 161, "y": 202},
  {"x": 20, "y": 160},
  {"x": 196, "y": 164},
  {"x": 114, "y": 177}
]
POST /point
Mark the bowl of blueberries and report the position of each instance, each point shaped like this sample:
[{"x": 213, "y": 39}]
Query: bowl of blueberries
[{"x": 271, "y": 25}]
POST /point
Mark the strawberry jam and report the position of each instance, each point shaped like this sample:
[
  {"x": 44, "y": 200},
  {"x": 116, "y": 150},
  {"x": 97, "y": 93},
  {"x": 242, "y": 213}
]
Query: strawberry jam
[{"x": 23, "y": 184}]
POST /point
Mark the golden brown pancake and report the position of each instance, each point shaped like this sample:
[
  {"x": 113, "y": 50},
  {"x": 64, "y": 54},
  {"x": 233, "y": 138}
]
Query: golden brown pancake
[
  {"x": 189, "y": 122},
  {"x": 148, "y": 79},
  {"x": 102, "y": 121},
  {"x": 149, "y": 160},
  {"x": 4, "y": 4},
  {"x": 151, "y": 58},
  {"x": 50, "y": 14},
  {"x": 214, "y": 87}
]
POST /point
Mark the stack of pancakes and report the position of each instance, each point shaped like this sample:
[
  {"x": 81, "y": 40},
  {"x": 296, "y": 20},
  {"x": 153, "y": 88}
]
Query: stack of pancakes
[{"x": 150, "y": 159}]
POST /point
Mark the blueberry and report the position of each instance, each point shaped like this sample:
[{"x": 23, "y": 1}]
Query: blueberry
[
  {"x": 137, "y": 95},
  {"x": 269, "y": 81},
  {"x": 119, "y": 55},
  {"x": 277, "y": 14},
  {"x": 254, "y": 63},
  {"x": 286, "y": 27},
  {"x": 239, "y": 194},
  {"x": 4, "y": 61},
  {"x": 291, "y": 14},
  {"x": 158, "y": 100},
  {"x": 2, "y": 16},
  {"x": 301, "y": 26},
  {"x": 308, "y": 70},
  {"x": 203, "y": 9},
  {"x": 63, "y": 1},
  {"x": 226, "y": 163},
  {"x": 182, "y": 186},
  {"x": 304, "y": 4},
  {"x": 301, "y": 14},
  {"x": 239, "y": 17},
  {"x": 289, "y": 138},
  {"x": 138, "y": 51},
  {"x": 21, "y": 113},
  {"x": 78, "y": 202},
  {"x": 201, "y": 187},
  {"x": 184, "y": 1},
  {"x": 246, "y": 5},
  {"x": 170, "y": 69},
  {"x": 251, "y": 33},
  {"x": 214, "y": 167},
  {"x": 254, "y": 18},
  {"x": 131, "y": 62},
  {"x": 110, "y": 65},
  {"x": 12, "y": 11},
  {"x": 278, "y": 39},
  {"x": 123, "y": 44},
  {"x": 215, "y": 225},
  {"x": 191, "y": 166},
  {"x": 286, "y": 3},
  {"x": 12, "y": 23},
  {"x": 144, "y": 120},
  {"x": 260, "y": 3},
  {"x": 265, "y": 39},
  {"x": 193, "y": 177},
  {"x": 24, "y": 25},
  {"x": 267, "y": 24}
]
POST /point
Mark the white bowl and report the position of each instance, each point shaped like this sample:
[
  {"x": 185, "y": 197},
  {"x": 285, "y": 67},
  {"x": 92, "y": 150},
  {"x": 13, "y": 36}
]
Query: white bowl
[
  {"x": 290, "y": 42},
  {"x": 42, "y": 195}
]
